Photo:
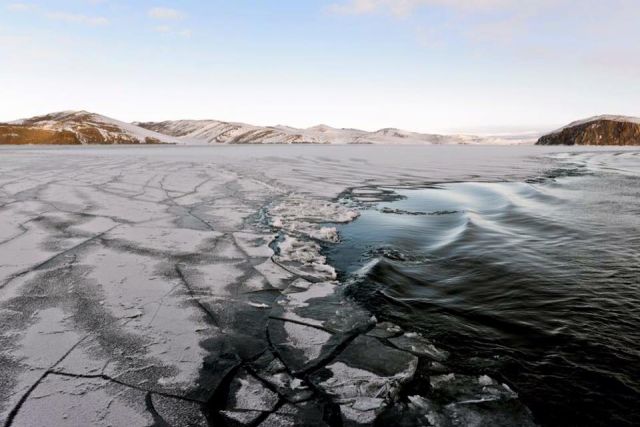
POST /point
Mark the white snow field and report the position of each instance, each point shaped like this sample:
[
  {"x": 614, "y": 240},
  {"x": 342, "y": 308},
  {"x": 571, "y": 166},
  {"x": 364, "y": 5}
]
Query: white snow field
[{"x": 173, "y": 285}]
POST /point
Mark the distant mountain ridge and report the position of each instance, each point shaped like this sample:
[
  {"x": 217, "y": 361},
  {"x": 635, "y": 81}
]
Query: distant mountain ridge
[
  {"x": 598, "y": 130},
  {"x": 214, "y": 131},
  {"x": 82, "y": 127}
]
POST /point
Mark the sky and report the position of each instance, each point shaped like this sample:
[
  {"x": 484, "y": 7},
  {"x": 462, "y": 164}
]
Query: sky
[{"x": 476, "y": 66}]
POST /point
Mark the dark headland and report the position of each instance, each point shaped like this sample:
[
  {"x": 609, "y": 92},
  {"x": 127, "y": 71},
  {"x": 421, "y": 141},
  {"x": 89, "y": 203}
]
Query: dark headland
[{"x": 599, "y": 130}]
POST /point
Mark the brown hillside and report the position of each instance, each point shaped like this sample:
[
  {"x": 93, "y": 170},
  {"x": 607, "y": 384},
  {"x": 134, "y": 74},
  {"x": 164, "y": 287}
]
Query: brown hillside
[
  {"x": 599, "y": 131},
  {"x": 20, "y": 135}
]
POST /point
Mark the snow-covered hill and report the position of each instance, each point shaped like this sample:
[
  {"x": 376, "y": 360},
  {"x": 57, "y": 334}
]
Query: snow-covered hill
[
  {"x": 213, "y": 131},
  {"x": 78, "y": 127},
  {"x": 82, "y": 127}
]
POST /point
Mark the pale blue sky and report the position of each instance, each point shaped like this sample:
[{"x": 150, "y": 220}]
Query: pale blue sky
[{"x": 425, "y": 65}]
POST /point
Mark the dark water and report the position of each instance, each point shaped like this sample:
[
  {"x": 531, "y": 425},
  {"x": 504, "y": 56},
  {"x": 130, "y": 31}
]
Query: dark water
[{"x": 537, "y": 283}]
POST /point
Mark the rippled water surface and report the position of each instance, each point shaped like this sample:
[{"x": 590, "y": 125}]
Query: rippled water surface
[{"x": 535, "y": 282}]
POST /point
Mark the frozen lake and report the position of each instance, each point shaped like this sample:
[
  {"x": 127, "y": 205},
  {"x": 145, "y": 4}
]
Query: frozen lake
[{"x": 187, "y": 286}]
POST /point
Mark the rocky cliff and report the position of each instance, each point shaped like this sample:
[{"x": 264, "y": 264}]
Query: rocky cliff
[{"x": 600, "y": 130}]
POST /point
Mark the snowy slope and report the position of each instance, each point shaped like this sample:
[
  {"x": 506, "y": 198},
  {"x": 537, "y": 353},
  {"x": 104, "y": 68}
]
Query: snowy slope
[
  {"x": 213, "y": 131},
  {"x": 89, "y": 128}
]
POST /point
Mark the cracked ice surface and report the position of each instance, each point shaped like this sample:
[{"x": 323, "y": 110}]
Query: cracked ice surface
[{"x": 186, "y": 286}]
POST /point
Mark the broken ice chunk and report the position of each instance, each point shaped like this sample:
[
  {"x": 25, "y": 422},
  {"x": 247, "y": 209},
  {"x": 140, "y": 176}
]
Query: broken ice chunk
[{"x": 420, "y": 346}]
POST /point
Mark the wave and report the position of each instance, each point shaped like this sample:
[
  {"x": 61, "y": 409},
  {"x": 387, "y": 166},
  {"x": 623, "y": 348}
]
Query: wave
[{"x": 538, "y": 280}]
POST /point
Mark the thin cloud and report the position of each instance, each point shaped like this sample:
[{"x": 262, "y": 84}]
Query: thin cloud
[
  {"x": 540, "y": 32},
  {"x": 92, "y": 21},
  {"x": 480, "y": 22},
  {"x": 73, "y": 18},
  {"x": 186, "y": 33},
  {"x": 407, "y": 7},
  {"x": 166, "y": 14},
  {"x": 354, "y": 7},
  {"x": 162, "y": 29},
  {"x": 20, "y": 7},
  {"x": 167, "y": 29}
]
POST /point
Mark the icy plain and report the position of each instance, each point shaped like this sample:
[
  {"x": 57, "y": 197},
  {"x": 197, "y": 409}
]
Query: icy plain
[{"x": 186, "y": 286}]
